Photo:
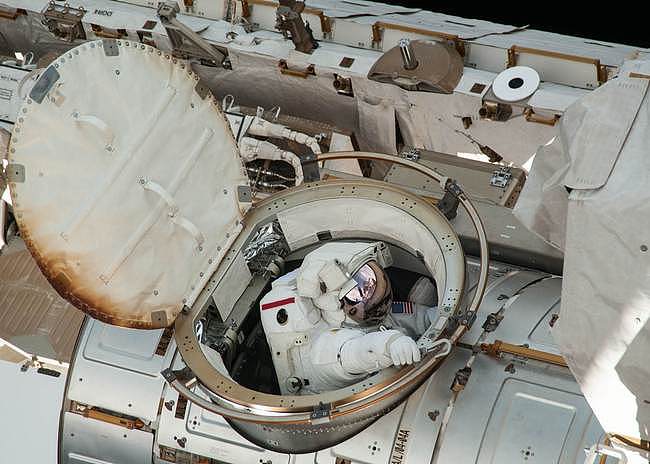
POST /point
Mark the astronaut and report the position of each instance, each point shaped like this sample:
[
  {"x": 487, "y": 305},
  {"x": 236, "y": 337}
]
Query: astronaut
[{"x": 332, "y": 322}]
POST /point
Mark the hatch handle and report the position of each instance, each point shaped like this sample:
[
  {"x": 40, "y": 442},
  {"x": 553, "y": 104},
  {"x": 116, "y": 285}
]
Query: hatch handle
[
  {"x": 173, "y": 211},
  {"x": 98, "y": 124}
]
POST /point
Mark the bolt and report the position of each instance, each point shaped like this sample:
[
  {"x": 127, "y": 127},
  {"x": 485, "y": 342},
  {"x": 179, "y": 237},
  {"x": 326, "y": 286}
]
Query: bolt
[{"x": 408, "y": 57}]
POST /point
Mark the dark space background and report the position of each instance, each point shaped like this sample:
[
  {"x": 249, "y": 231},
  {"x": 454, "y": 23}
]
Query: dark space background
[{"x": 617, "y": 22}]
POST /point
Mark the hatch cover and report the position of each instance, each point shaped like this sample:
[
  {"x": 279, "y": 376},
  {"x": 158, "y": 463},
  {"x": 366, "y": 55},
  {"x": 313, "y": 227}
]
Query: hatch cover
[{"x": 124, "y": 176}]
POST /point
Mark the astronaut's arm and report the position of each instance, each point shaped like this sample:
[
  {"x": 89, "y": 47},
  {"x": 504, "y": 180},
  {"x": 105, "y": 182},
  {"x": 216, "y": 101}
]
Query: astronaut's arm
[{"x": 378, "y": 350}]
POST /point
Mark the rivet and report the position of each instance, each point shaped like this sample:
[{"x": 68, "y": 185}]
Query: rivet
[{"x": 155, "y": 292}]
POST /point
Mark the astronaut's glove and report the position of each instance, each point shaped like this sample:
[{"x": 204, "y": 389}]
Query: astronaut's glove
[
  {"x": 330, "y": 307},
  {"x": 373, "y": 351},
  {"x": 403, "y": 350}
]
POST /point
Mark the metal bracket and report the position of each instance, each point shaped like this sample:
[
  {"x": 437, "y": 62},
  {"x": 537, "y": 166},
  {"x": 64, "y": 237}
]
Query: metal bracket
[
  {"x": 465, "y": 318},
  {"x": 310, "y": 70},
  {"x": 411, "y": 154},
  {"x": 244, "y": 194},
  {"x": 448, "y": 205},
  {"x": 185, "y": 376},
  {"x": 15, "y": 173},
  {"x": 321, "y": 413},
  {"x": 186, "y": 43},
  {"x": 290, "y": 23},
  {"x": 461, "y": 378},
  {"x": 64, "y": 21},
  {"x": 492, "y": 322},
  {"x": 501, "y": 177},
  {"x": 44, "y": 84},
  {"x": 110, "y": 47}
]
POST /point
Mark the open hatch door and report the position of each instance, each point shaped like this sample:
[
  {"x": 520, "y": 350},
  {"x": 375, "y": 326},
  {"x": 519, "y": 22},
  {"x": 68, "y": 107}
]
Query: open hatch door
[{"x": 126, "y": 181}]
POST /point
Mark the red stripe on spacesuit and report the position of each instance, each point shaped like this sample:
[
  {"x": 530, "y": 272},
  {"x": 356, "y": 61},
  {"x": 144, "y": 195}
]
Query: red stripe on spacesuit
[{"x": 275, "y": 304}]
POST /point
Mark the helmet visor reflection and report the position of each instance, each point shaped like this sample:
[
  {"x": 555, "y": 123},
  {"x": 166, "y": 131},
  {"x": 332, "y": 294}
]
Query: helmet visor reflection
[{"x": 366, "y": 281}]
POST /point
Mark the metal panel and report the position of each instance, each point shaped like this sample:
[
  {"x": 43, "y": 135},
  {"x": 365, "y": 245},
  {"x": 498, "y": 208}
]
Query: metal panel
[
  {"x": 30, "y": 403},
  {"x": 526, "y": 319},
  {"x": 117, "y": 369},
  {"x": 89, "y": 441},
  {"x": 32, "y": 315},
  {"x": 474, "y": 176},
  {"x": 10, "y": 78},
  {"x": 206, "y": 434},
  {"x": 534, "y": 423},
  {"x": 575, "y": 72},
  {"x": 373, "y": 444},
  {"x": 497, "y": 295},
  {"x": 493, "y": 398}
]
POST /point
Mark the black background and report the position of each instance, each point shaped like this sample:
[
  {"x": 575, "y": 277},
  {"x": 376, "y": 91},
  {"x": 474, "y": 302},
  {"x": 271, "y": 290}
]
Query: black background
[{"x": 618, "y": 22}]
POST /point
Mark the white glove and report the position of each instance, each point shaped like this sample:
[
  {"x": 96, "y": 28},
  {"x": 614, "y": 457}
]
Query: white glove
[{"x": 403, "y": 350}]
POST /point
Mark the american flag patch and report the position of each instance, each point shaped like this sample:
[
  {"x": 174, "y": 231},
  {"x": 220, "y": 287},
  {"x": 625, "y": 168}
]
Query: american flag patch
[{"x": 402, "y": 307}]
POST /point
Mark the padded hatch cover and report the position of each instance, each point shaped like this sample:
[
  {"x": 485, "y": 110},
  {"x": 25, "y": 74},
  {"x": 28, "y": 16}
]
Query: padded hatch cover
[{"x": 126, "y": 182}]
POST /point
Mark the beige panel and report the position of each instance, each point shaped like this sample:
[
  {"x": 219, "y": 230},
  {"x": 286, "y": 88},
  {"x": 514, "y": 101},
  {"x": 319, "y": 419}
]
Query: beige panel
[{"x": 30, "y": 308}]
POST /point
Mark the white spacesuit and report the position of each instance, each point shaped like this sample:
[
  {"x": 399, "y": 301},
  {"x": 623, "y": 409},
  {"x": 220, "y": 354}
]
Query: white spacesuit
[{"x": 329, "y": 323}]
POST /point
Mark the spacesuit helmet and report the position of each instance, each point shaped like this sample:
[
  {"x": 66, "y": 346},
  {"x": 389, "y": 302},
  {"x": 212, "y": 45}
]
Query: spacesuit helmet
[{"x": 369, "y": 301}]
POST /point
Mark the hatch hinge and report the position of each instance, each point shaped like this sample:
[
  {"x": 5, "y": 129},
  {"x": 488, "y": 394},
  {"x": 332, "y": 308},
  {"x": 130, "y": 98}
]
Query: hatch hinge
[
  {"x": 64, "y": 21},
  {"x": 186, "y": 43}
]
